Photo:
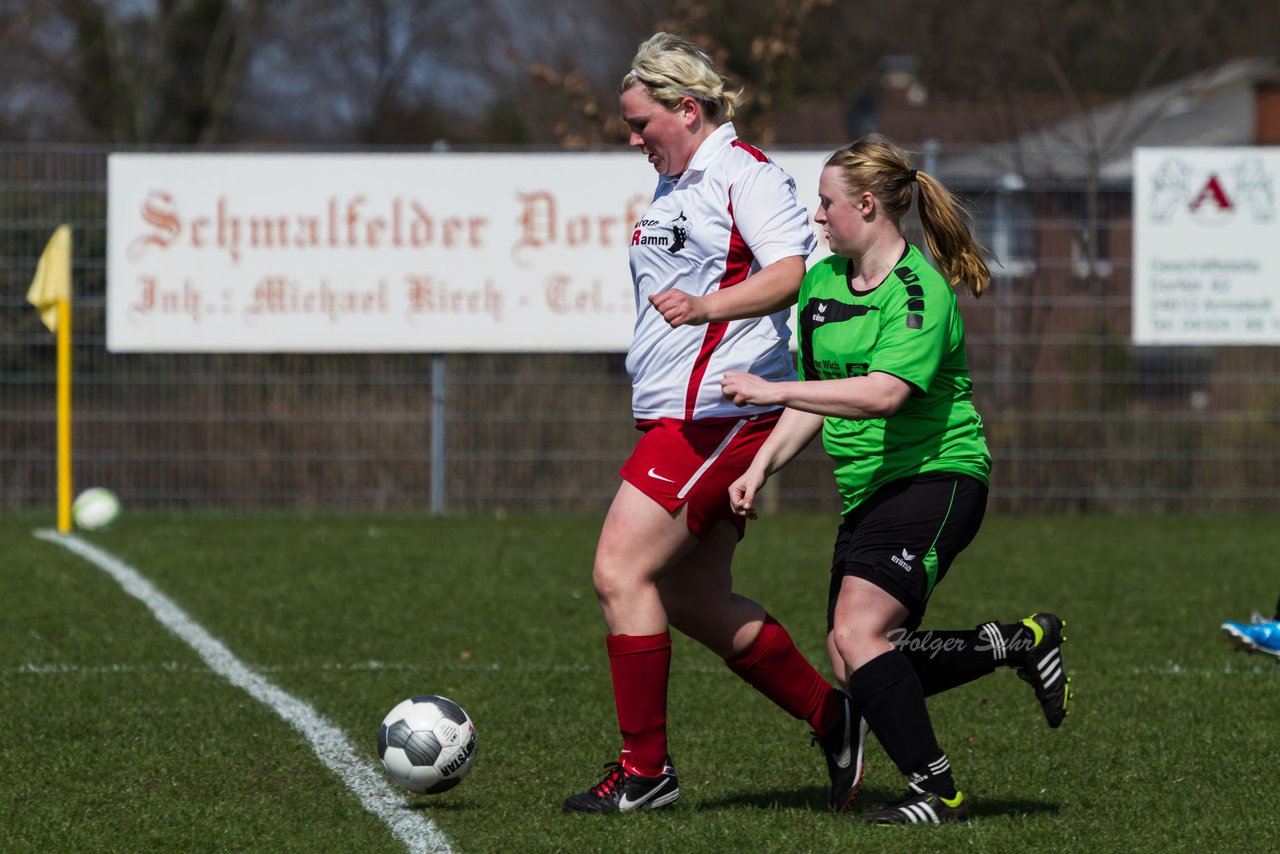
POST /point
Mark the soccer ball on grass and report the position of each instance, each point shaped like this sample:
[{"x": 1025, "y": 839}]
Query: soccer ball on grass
[
  {"x": 427, "y": 744},
  {"x": 95, "y": 509}
]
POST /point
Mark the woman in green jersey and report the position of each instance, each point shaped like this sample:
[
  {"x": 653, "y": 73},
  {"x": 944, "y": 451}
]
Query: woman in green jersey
[{"x": 884, "y": 377}]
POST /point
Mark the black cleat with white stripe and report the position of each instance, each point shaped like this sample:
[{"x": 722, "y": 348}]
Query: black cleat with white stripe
[
  {"x": 1043, "y": 669},
  {"x": 623, "y": 791},
  {"x": 920, "y": 807},
  {"x": 842, "y": 747}
]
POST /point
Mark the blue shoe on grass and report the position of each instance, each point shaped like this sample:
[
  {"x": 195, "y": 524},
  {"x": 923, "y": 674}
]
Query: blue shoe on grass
[{"x": 1258, "y": 635}]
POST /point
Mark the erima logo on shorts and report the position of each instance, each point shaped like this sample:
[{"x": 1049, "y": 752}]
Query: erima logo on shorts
[{"x": 902, "y": 561}]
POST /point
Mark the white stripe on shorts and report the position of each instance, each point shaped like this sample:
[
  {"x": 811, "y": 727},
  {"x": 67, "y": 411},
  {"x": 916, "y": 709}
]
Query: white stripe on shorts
[{"x": 684, "y": 490}]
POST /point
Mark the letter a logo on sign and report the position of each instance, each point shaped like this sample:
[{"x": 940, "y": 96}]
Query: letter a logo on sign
[{"x": 1212, "y": 192}]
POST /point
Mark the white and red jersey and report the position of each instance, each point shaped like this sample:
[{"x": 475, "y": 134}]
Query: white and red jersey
[{"x": 731, "y": 212}]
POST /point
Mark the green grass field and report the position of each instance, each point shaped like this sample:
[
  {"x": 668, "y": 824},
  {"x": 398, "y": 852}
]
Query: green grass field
[{"x": 115, "y": 735}]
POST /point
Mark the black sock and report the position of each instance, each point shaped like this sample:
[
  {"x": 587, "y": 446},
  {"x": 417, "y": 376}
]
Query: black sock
[
  {"x": 888, "y": 692},
  {"x": 1277, "y": 616},
  {"x": 944, "y": 659},
  {"x": 935, "y": 777}
]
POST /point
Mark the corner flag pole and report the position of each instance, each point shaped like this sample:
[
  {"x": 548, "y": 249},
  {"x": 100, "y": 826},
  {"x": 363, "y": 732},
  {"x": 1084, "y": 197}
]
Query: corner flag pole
[
  {"x": 50, "y": 293},
  {"x": 64, "y": 415}
]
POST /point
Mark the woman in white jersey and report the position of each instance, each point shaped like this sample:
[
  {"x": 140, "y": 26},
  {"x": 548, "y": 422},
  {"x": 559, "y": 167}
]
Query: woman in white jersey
[{"x": 716, "y": 262}]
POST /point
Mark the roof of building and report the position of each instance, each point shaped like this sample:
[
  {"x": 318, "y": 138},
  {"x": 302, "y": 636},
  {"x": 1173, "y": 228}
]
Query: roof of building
[
  {"x": 1047, "y": 139},
  {"x": 1217, "y": 107}
]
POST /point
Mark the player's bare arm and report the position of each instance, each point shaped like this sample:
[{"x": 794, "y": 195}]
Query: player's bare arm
[
  {"x": 771, "y": 289},
  {"x": 877, "y": 395}
]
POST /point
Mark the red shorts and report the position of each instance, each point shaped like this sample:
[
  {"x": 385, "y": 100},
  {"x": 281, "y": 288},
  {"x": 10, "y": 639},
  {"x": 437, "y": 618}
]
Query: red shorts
[{"x": 694, "y": 462}]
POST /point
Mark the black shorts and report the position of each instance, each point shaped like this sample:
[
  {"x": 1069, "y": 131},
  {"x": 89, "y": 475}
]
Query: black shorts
[{"x": 905, "y": 536}]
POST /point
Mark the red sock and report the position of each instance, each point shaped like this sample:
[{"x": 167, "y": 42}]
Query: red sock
[
  {"x": 774, "y": 667},
  {"x": 640, "y": 665}
]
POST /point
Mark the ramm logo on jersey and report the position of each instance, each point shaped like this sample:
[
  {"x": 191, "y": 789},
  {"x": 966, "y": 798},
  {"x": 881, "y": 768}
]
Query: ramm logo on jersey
[{"x": 672, "y": 235}]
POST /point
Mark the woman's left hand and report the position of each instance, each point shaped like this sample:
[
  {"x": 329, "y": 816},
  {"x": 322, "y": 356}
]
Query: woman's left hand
[{"x": 679, "y": 308}]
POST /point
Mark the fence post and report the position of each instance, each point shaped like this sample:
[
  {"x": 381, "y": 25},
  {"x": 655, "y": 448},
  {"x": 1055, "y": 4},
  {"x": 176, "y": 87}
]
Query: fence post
[
  {"x": 932, "y": 148},
  {"x": 438, "y": 427}
]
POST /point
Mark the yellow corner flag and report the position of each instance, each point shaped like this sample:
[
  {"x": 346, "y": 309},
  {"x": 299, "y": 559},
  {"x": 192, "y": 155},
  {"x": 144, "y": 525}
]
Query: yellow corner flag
[
  {"x": 50, "y": 293},
  {"x": 53, "y": 277}
]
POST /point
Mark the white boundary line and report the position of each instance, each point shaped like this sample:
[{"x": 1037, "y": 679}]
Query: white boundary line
[{"x": 419, "y": 834}]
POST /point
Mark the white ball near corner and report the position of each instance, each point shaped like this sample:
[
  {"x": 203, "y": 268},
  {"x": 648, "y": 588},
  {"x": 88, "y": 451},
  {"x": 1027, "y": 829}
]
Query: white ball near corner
[
  {"x": 427, "y": 744},
  {"x": 95, "y": 509}
]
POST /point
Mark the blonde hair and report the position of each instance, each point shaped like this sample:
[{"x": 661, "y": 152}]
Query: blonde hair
[
  {"x": 673, "y": 68},
  {"x": 878, "y": 166}
]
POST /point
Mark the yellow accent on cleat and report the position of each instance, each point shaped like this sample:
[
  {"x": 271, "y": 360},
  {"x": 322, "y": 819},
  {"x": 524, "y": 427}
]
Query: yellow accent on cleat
[
  {"x": 1036, "y": 631},
  {"x": 953, "y": 802}
]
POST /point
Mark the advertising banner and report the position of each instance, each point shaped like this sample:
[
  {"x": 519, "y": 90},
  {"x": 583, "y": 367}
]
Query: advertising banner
[{"x": 441, "y": 252}]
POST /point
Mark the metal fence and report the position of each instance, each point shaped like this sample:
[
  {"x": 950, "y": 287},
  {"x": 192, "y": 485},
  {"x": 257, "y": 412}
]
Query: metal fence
[{"x": 1079, "y": 420}]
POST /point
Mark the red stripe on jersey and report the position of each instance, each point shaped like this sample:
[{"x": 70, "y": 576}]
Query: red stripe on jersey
[
  {"x": 715, "y": 334},
  {"x": 750, "y": 149},
  {"x": 736, "y": 268}
]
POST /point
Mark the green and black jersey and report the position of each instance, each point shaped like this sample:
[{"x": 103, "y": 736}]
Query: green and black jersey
[{"x": 908, "y": 326}]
